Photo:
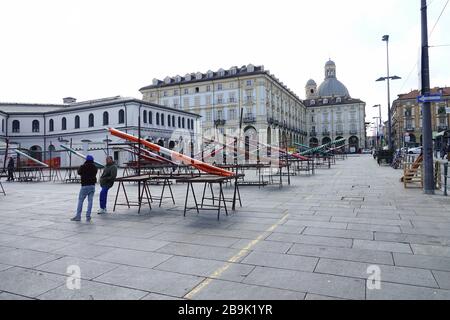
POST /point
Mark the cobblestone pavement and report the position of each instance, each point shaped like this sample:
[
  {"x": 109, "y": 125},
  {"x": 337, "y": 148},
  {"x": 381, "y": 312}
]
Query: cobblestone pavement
[{"x": 320, "y": 238}]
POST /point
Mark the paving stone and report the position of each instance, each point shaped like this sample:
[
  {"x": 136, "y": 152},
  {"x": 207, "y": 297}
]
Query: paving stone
[
  {"x": 341, "y": 287},
  {"x": 18, "y": 230},
  {"x": 419, "y": 261},
  {"x": 308, "y": 239},
  {"x": 132, "y": 243},
  {"x": 403, "y": 275},
  {"x": 226, "y": 290},
  {"x": 336, "y": 233},
  {"x": 443, "y": 279},
  {"x": 34, "y": 223},
  {"x": 412, "y": 239},
  {"x": 199, "y": 251},
  {"x": 196, "y": 239},
  {"x": 361, "y": 255},
  {"x": 382, "y": 246},
  {"x": 318, "y": 224},
  {"x": 89, "y": 268},
  {"x": 51, "y": 234},
  {"x": 10, "y": 296},
  {"x": 267, "y": 246},
  {"x": 393, "y": 291},
  {"x": 83, "y": 250},
  {"x": 443, "y": 251},
  {"x": 90, "y": 290},
  {"x": 283, "y": 261},
  {"x": 206, "y": 268},
  {"x": 134, "y": 258},
  {"x": 240, "y": 234},
  {"x": 155, "y": 296},
  {"x": 383, "y": 222},
  {"x": 311, "y": 296},
  {"x": 29, "y": 283},
  {"x": 26, "y": 258},
  {"x": 39, "y": 244},
  {"x": 156, "y": 281}
]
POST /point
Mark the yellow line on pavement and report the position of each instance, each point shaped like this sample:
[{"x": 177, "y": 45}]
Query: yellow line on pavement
[{"x": 234, "y": 259}]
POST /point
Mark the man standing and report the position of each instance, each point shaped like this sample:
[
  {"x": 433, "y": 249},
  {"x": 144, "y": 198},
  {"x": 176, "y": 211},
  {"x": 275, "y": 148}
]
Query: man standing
[
  {"x": 106, "y": 182},
  {"x": 88, "y": 173},
  {"x": 11, "y": 169}
]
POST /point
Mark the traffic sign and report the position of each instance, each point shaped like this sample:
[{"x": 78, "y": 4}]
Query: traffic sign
[{"x": 430, "y": 98}]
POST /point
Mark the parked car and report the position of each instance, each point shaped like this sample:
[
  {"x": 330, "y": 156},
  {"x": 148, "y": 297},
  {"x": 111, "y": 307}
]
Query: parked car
[{"x": 417, "y": 150}]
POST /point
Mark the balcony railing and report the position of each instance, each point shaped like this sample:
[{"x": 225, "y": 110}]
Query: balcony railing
[
  {"x": 410, "y": 129},
  {"x": 249, "y": 118},
  {"x": 326, "y": 133},
  {"x": 219, "y": 122},
  {"x": 313, "y": 134},
  {"x": 353, "y": 132},
  {"x": 339, "y": 133}
]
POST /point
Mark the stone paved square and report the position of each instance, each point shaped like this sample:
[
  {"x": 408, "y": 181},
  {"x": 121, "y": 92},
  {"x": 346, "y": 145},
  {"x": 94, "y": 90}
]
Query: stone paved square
[{"x": 314, "y": 239}]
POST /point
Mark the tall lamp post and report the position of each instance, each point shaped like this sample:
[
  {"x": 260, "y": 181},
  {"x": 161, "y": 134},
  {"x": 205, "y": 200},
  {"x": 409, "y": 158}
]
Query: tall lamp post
[
  {"x": 378, "y": 131},
  {"x": 379, "y": 115},
  {"x": 388, "y": 78}
]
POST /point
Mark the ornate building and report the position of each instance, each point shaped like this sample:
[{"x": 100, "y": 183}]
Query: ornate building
[
  {"x": 333, "y": 114},
  {"x": 272, "y": 113}
]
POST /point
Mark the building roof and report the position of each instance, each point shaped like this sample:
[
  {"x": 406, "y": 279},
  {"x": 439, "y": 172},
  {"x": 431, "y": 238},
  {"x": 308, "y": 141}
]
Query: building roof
[
  {"x": 413, "y": 94},
  {"x": 33, "y": 108},
  {"x": 332, "y": 87},
  {"x": 221, "y": 74},
  {"x": 334, "y": 101}
]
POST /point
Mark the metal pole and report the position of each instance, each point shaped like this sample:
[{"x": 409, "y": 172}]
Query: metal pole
[
  {"x": 429, "y": 185},
  {"x": 389, "y": 98},
  {"x": 139, "y": 154}
]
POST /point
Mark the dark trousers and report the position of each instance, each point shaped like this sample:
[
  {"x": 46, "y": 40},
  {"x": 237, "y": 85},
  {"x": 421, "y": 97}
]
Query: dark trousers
[{"x": 10, "y": 174}]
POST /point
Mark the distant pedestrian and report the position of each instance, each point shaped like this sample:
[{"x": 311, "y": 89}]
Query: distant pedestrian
[
  {"x": 10, "y": 169},
  {"x": 106, "y": 182},
  {"x": 88, "y": 173}
]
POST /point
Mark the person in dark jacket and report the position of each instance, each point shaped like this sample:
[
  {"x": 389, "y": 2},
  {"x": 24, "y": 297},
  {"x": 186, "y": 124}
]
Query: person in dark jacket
[
  {"x": 106, "y": 182},
  {"x": 88, "y": 173},
  {"x": 10, "y": 169}
]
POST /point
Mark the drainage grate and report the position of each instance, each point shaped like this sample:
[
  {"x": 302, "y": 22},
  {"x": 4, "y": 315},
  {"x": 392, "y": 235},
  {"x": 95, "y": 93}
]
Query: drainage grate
[
  {"x": 360, "y": 186},
  {"x": 352, "y": 198}
]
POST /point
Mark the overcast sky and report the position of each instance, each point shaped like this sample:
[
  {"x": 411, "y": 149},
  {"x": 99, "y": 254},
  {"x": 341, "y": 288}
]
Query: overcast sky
[{"x": 50, "y": 49}]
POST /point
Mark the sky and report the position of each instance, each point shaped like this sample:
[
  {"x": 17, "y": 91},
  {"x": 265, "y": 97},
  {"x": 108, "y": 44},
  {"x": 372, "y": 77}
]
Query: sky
[{"x": 50, "y": 49}]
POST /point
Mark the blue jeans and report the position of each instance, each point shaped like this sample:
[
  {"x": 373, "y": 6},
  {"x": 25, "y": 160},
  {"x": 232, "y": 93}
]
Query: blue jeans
[
  {"x": 103, "y": 197},
  {"x": 86, "y": 191}
]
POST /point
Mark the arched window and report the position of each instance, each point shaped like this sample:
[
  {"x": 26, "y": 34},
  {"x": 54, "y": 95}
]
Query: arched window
[
  {"x": 35, "y": 126},
  {"x": 150, "y": 117},
  {"x": 145, "y": 116},
  {"x": 173, "y": 121},
  {"x": 168, "y": 120},
  {"x": 77, "y": 122},
  {"x": 121, "y": 116},
  {"x": 157, "y": 118},
  {"x": 192, "y": 124},
  {"x": 105, "y": 118},
  {"x": 91, "y": 120},
  {"x": 16, "y": 126},
  {"x": 51, "y": 125},
  {"x": 182, "y": 122},
  {"x": 162, "y": 119},
  {"x": 179, "y": 122},
  {"x": 63, "y": 124}
]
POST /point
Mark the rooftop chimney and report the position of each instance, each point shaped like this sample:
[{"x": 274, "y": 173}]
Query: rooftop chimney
[{"x": 69, "y": 100}]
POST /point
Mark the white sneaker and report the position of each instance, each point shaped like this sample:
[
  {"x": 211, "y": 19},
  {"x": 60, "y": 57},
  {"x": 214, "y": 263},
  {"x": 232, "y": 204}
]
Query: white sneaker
[{"x": 101, "y": 211}]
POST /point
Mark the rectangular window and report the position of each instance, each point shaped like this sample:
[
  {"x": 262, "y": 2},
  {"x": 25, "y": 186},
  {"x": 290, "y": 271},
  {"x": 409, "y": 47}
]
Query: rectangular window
[
  {"x": 219, "y": 87},
  {"x": 249, "y": 82},
  {"x": 186, "y": 91},
  {"x": 208, "y": 115},
  {"x": 208, "y": 88},
  {"x": 175, "y": 92}
]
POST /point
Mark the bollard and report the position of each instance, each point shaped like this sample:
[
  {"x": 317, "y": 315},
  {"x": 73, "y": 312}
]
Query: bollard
[{"x": 445, "y": 178}]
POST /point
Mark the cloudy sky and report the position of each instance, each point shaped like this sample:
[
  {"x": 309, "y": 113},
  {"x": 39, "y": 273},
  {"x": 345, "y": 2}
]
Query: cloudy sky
[{"x": 50, "y": 49}]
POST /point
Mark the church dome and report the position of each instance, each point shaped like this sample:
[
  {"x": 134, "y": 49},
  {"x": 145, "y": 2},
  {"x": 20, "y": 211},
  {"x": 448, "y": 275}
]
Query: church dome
[
  {"x": 311, "y": 82},
  {"x": 331, "y": 86}
]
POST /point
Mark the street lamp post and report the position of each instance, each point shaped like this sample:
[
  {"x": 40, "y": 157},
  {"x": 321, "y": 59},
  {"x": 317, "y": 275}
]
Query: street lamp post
[
  {"x": 388, "y": 78},
  {"x": 378, "y": 131}
]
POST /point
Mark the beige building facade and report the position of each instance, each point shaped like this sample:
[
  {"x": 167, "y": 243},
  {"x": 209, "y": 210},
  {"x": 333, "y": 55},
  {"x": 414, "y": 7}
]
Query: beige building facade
[{"x": 271, "y": 112}]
